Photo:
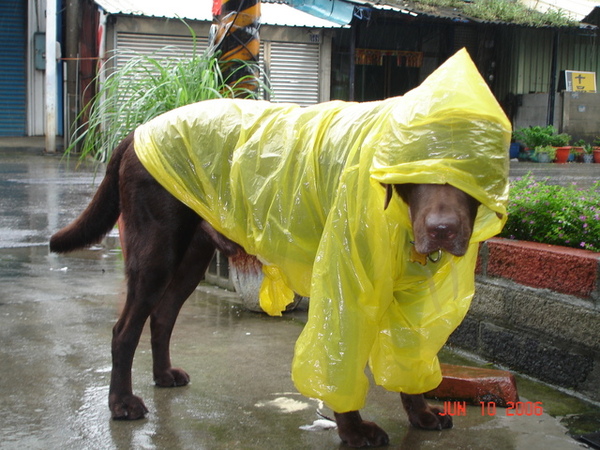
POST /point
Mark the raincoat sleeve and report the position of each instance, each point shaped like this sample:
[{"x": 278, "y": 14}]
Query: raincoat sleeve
[
  {"x": 429, "y": 303},
  {"x": 352, "y": 287}
]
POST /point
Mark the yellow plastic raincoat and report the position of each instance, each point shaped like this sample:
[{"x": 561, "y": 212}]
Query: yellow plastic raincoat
[{"x": 301, "y": 188}]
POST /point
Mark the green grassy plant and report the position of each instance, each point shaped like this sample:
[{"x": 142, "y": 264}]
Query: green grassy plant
[
  {"x": 509, "y": 11},
  {"x": 551, "y": 214},
  {"x": 147, "y": 86}
]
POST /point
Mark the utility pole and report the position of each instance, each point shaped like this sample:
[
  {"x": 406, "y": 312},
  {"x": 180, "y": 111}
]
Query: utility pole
[
  {"x": 235, "y": 35},
  {"x": 73, "y": 25},
  {"x": 50, "y": 81}
]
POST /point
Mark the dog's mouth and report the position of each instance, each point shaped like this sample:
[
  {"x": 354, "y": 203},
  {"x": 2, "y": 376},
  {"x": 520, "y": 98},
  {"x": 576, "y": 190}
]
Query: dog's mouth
[
  {"x": 442, "y": 238},
  {"x": 433, "y": 248}
]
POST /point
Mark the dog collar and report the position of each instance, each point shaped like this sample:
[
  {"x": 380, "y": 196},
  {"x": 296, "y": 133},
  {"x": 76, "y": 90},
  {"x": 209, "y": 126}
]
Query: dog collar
[{"x": 422, "y": 259}]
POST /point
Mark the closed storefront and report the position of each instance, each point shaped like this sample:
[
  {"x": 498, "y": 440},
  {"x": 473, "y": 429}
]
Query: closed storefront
[
  {"x": 293, "y": 69},
  {"x": 13, "y": 54}
]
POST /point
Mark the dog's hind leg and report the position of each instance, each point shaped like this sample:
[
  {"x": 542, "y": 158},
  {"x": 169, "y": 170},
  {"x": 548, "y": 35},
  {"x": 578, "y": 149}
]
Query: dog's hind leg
[
  {"x": 148, "y": 274},
  {"x": 159, "y": 231},
  {"x": 190, "y": 272},
  {"x": 164, "y": 264}
]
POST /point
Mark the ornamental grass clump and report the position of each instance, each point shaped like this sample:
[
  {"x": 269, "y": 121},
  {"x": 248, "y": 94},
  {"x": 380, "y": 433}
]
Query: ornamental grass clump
[
  {"x": 149, "y": 85},
  {"x": 551, "y": 214}
]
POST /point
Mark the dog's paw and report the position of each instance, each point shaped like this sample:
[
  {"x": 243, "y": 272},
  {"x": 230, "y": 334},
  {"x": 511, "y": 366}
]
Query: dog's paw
[
  {"x": 355, "y": 432},
  {"x": 129, "y": 407},
  {"x": 172, "y": 377},
  {"x": 422, "y": 415},
  {"x": 431, "y": 419},
  {"x": 445, "y": 421}
]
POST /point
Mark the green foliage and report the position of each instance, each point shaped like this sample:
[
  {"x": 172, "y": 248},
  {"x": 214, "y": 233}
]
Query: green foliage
[
  {"x": 537, "y": 136},
  {"x": 588, "y": 149},
  {"x": 509, "y": 11},
  {"x": 548, "y": 150},
  {"x": 560, "y": 140},
  {"x": 557, "y": 215},
  {"x": 148, "y": 86}
]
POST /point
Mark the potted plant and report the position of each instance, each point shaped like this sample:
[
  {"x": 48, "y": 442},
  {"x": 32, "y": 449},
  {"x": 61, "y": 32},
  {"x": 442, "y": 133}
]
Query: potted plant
[
  {"x": 577, "y": 150},
  {"x": 535, "y": 136},
  {"x": 563, "y": 150},
  {"x": 545, "y": 153},
  {"x": 588, "y": 153},
  {"x": 597, "y": 149}
]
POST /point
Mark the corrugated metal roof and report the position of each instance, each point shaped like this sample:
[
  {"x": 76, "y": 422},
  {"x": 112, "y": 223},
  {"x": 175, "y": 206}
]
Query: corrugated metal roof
[
  {"x": 271, "y": 13},
  {"x": 276, "y": 12},
  {"x": 413, "y": 8},
  {"x": 456, "y": 14}
]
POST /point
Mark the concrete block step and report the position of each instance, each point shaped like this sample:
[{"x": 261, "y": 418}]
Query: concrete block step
[{"x": 475, "y": 385}]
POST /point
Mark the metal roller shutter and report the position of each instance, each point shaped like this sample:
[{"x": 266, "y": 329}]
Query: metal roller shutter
[
  {"x": 293, "y": 70},
  {"x": 161, "y": 46},
  {"x": 13, "y": 94}
]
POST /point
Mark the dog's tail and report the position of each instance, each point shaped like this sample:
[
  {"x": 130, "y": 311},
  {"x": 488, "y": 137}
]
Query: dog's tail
[{"x": 100, "y": 215}]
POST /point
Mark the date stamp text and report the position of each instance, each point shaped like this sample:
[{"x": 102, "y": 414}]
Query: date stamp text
[{"x": 489, "y": 409}]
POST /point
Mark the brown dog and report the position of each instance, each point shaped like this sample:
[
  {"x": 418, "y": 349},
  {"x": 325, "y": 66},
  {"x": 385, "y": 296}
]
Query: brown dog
[{"x": 168, "y": 248}]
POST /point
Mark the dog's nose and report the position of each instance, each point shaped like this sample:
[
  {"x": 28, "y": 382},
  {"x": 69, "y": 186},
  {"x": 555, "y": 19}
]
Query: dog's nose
[{"x": 442, "y": 229}]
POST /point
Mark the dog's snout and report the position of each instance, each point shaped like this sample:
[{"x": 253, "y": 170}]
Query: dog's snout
[{"x": 442, "y": 229}]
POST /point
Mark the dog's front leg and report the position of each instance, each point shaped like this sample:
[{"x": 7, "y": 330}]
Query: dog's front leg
[
  {"x": 424, "y": 416},
  {"x": 356, "y": 432}
]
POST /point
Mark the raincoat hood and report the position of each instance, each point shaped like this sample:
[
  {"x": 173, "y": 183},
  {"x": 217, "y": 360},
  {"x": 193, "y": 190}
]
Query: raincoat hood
[
  {"x": 301, "y": 188},
  {"x": 451, "y": 130}
]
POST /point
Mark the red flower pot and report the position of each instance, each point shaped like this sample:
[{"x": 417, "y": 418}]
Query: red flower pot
[{"x": 562, "y": 154}]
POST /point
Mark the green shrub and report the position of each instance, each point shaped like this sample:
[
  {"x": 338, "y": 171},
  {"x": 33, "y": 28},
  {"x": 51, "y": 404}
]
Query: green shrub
[
  {"x": 551, "y": 214},
  {"x": 537, "y": 136}
]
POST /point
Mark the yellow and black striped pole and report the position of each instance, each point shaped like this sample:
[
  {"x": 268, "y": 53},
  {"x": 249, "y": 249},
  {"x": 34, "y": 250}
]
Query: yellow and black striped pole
[{"x": 236, "y": 38}]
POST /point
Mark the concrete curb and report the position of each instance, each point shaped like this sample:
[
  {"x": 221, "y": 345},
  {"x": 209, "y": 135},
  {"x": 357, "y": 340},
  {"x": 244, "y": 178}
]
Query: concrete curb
[
  {"x": 564, "y": 270},
  {"x": 536, "y": 310}
]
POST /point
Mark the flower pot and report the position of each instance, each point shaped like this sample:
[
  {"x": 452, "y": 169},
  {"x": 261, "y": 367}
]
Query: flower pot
[
  {"x": 562, "y": 154},
  {"x": 576, "y": 154},
  {"x": 526, "y": 154},
  {"x": 543, "y": 158},
  {"x": 514, "y": 150},
  {"x": 588, "y": 158}
]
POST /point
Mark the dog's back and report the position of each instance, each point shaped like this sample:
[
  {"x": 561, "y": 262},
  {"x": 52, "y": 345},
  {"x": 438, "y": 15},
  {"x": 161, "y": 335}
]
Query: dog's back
[{"x": 264, "y": 175}]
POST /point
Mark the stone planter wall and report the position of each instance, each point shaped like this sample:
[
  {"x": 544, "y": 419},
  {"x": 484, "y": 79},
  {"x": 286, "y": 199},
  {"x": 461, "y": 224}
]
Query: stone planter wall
[{"x": 537, "y": 311}]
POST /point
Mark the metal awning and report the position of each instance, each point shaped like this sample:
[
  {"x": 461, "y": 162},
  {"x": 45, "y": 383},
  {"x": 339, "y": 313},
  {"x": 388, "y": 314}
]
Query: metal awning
[{"x": 271, "y": 13}]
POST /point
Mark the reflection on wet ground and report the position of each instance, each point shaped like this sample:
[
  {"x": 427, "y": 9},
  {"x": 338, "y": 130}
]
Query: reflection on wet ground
[{"x": 56, "y": 316}]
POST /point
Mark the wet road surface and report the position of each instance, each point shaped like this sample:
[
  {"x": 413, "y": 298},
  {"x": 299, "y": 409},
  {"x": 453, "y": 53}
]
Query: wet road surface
[{"x": 56, "y": 316}]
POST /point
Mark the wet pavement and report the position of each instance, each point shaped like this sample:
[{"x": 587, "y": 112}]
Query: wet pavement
[
  {"x": 56, "y": 316},
  {"x": 583, "y": 175}
]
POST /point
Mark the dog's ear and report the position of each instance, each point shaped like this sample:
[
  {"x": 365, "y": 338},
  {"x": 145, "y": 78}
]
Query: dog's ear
[{"x": 389, "y": 191}]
